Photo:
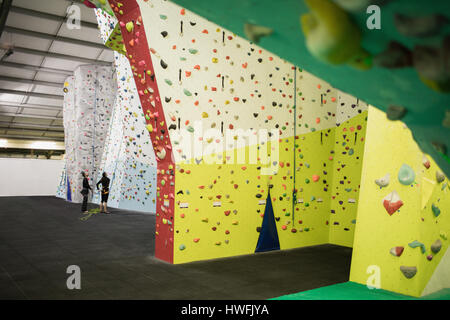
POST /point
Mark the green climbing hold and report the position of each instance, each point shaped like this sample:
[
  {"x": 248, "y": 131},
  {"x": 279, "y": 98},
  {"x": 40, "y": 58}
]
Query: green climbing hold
[
  {"x": 436, "y": 210},
  {"x": 163, "y": 17},
  {"x": 416, "y": 244},
  {"x": 190, "y": 129},
  {"x": 187, "y": 92},
  {"x": 168, "y": 82},
  {"x": 182, "y": 247},
  {"x": 406, "y": 175},
  {"x": 193, "y": 51}
]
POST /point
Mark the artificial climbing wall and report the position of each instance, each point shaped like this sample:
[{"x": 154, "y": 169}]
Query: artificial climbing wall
[
  {"x": 348, "y": 155},
  {"x": 128, "y": 156},
  {"x": 88, "y": 102},
  {"x": 186, "y": 70},
  {"x": 402, "y": 220},
  {"x": 69, "y": 123}
]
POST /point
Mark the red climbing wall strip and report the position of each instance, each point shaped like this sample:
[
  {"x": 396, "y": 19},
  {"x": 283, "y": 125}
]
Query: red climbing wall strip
[{"x": 135, "y": 40}]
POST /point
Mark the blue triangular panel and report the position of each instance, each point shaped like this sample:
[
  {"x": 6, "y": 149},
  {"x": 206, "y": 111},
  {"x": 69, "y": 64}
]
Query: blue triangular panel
[
  {"x": 69, "y": 191},
  {"x": 268, "y": 237}
]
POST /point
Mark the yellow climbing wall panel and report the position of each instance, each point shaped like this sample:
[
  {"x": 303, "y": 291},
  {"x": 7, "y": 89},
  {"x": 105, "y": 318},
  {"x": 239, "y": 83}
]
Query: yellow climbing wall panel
[
  {"x": 389, "y": 145},
  {"x": 218, "y": 212},
  {"x": 348, "y": 160}
]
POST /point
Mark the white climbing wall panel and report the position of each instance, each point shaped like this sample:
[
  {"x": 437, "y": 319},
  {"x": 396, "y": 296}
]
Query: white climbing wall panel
[
  {"x": 88, "y": 101},
  {"x": 128, "y": 156}
]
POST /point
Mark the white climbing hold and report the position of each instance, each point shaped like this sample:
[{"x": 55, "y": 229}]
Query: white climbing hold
[{"x": 384, "y": 181}]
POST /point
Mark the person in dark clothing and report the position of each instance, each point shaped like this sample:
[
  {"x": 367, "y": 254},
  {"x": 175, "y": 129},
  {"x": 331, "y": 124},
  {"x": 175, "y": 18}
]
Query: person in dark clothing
[
  {"x": 104, "y": 181},
  {"x": 85, "y": 191}
]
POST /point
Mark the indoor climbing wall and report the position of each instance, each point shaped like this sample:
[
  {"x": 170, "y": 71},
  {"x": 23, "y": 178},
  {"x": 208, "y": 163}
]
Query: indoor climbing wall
[
  {"x": 197, "y": 82},
  {"x": 69, "y": 137},
  {"x": 128, "y": 156},
  {"x": 351, "y": 119},
  {"x": 391, "y": 54},
  {"x": 402, "y": 223},
  {"x": 88, "y": 101}
]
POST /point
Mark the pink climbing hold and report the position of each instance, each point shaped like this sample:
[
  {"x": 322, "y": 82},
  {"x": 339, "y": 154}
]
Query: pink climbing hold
[
  {"x": 315, "y": 177},
  {"x": 196, "y": 240},
  {"x": 227, "y": 213}
]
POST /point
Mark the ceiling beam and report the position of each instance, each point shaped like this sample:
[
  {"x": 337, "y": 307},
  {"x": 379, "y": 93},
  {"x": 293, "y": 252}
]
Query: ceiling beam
[
  {"x": 59, "y": 56},
  {"x": 18, "y": 131},
  {"x": 52, "y": 37},
  {"x": 31, "y": 116},
  {"x": 48, "y": 16},
  {"x": 33, "y": 94},
  {"x": 35, "y": 82},
  {"x": 9, "y": 104},
  {"x": 31, "y": 125},
  {"x": 16, "y": 136},
  {"x": 35, "y": 68},
  {"x": 4, "y": 11}
]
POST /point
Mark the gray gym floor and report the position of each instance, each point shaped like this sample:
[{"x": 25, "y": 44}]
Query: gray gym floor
[{"x": 41, "y": 236}]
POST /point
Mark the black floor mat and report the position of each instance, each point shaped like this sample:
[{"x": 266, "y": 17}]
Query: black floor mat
[{"x": 41, "y": 236}]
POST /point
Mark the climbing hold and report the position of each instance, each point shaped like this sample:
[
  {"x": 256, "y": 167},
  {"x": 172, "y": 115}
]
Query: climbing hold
[
  {"x": 392, "y": 202},
  {"x": 406, "y": 175},
  {"x": 331, "y": 35},
  {"x": 149, "y": 128},
  {"x": 182, "y": 247},
  {"x": 384, "y": 181},
  {"x": 440, "y": 176},
  {"x": 422, "y": 26},
  {"x": 397, "y": 251},
  {"x": 396, "y": 112},
  {"x": 408, "y": 272},
  {"x": 436, "y": 210},
  {"x": 129, "y": 26},
  {"x": 196, "y": 240},
  {"x": 436, "y": 246},
  {"x": 161, "y": 154},
  {"x": 255, "y": 32},
  {"x": 396, "y": 55},
  {"x": 428, "y": 62},
  {"x": 416, "y": 244},
  {"x": 315, "y": 177},
  {"x": 426, "y": 163}
]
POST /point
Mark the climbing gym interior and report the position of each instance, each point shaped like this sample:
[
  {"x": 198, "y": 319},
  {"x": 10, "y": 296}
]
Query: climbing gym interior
[{"x": 243, "y": 141}]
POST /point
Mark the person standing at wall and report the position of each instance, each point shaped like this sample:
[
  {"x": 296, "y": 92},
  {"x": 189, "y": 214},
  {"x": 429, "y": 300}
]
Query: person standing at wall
[
  {"x": 104, "y": 181},
  {"x": 85, "y": 191}
]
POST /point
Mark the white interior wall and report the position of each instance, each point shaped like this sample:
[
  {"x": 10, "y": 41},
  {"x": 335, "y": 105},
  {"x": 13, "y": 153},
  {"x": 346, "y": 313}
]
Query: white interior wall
[{"x": 29, "y": 177}]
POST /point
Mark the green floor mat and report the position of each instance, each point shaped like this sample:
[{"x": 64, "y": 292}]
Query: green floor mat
[{"x": 356, "y": 291}]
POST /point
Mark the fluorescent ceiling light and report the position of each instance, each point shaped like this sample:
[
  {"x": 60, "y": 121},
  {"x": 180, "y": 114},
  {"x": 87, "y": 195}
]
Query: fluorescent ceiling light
[
  {"x": 43, "y": 145},
  {"x": 3, "y": 143}
]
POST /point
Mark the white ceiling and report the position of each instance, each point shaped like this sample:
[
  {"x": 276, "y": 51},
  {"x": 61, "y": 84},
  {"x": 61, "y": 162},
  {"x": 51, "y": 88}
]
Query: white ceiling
[{"x": 23, "y": 115}]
